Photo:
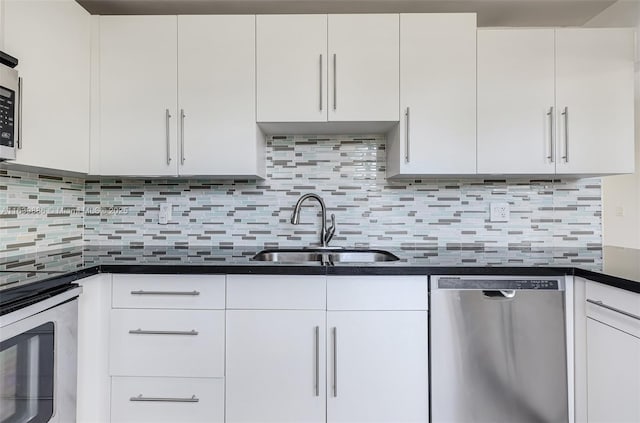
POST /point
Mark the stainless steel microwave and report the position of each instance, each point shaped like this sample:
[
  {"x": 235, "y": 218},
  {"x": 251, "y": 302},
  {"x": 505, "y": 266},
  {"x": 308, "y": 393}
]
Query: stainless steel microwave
[{"x": 10, "y": 101}]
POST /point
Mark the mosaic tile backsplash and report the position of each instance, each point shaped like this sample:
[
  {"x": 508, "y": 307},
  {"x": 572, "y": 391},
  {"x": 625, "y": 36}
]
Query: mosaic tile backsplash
[
  {"x": 39, "y": 212},
  {"x": 349, "y": 173}
]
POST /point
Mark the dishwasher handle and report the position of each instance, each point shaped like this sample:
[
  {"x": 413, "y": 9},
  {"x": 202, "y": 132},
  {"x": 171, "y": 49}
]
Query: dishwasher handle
[{"x": 500, "y": 294}]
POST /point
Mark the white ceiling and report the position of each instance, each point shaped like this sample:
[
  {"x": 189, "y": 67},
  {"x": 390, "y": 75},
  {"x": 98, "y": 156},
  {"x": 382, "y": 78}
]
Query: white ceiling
[{"x": 490, "y": 12}]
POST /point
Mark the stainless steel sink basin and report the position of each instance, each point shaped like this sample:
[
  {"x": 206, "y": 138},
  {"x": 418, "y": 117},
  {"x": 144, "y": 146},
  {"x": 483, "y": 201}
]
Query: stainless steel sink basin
[{"x": 324, "y": 256}]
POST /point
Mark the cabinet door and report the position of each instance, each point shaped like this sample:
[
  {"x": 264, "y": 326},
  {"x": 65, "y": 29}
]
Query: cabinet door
[
  {"x": 377, "y": 366},
  {"x": 516, "y": 98},
  {"x": 437, "y": 133},
  {"x": 216, "y": 95},
  {"x": 291, "y": 54},
  {"x": 51, "y": 40},
  {"x": 275, "y": 366},
  {"x": 138, "y": 98},
  {"x": 363, "y": 67},
  {"x": 613, "y": 374},
  {"x": 594, "y": 96}
]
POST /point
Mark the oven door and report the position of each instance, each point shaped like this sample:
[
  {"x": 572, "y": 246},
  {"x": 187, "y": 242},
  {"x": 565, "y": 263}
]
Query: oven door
[
  {"x": 26, "y": 376},
  {"x": 38, "y": 366}
]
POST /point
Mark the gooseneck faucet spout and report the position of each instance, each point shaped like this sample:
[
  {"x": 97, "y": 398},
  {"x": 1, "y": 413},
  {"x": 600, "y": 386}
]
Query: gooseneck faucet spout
[{"x": 325, "y": 234}]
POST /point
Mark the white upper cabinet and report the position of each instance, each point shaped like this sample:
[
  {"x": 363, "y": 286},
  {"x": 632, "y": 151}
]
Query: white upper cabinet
[
  {"x": 291, "y": 68},
  {"x": 51, "y": 40},
  {"x": 516, "y": 101},
  {"x": 555, "y": 101},
  {"x": 594, "y": 97},
  {"x": 177, "y": 97},
  {"x": 343, "y": 69},
  {"x": 363, "y": 67},
  {"x": 437, "y": 131},
  {"x": 216, "y": 97},
  {"x": 138, "y": 97}
]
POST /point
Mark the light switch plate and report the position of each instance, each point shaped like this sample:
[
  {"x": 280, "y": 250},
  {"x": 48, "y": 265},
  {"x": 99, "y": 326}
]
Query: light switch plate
[
  {"x": 165, "y": 214},
  {"x": 500, "y": 212}
]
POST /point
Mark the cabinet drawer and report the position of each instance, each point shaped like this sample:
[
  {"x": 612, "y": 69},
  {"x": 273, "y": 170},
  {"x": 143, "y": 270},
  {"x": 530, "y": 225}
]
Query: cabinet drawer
[
  {"x": 168, "y": 400},
  {"x": 276, "y": 292},
  {"x": 169, "y": 291},
  {"x": 377, "y": 293},
  {"x": 180, "y": 343},
  {"x": 619, "y": 299}
]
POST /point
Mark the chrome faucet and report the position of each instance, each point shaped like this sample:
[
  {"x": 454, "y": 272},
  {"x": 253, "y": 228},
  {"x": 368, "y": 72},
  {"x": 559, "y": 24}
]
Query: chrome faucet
[{"x": 326, "y": 234}]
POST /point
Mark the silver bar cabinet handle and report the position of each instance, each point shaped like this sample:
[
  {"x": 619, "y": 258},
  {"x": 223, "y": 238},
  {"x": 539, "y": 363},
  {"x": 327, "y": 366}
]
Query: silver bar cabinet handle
[
  {"x": 142, "y": 292},
  {"x": 552, "y": 131},
  {"x": 182, "y": 116},
  {"x": 317, "y": 361},
  {"x": 19, "y": 131},
  {"x": 160, "y": 399},
  {"x": 407, "y": 136},
  {"x": 163, "y": 332},
  {"x": 617, "y": 310},
  {"x": 321, "y": 82},
  {"x": 167, "y": 116},
  {"x": 335, "y": 361},
  {"x": 565, "y": 113},
  {"x": 335, "y": 82}
]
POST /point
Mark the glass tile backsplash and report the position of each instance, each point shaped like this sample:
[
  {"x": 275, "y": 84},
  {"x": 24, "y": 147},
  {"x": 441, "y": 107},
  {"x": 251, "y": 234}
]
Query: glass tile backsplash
[{"x": 348, "y": 172}]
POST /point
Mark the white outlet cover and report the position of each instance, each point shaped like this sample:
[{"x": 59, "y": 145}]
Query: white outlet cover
[
  {"x": 165, "y": 213},
  {"x": 500, "y": 212}
]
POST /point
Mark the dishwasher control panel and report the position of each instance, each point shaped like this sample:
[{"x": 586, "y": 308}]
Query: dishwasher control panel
[{"x": 498, "y": 284}]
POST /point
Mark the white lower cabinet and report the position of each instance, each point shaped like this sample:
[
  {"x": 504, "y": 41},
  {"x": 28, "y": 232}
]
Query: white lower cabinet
[
  {"x": 378, "y": 366},
  {"x": 613, "y": 354},
  {"x": 377, "y": 348},
  {"x": 361, "y": 356},
  {"x": 613, "y": 372},
  {"x": 167, "y": 348},
  {"x": 170, "y": 400},
  {"x": 258, "y": 349},
  {"x": 275, "y": 366}
]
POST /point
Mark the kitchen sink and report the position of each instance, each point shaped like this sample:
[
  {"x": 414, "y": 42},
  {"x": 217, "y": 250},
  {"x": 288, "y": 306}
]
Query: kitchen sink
[{"x": 324, "y": 256}]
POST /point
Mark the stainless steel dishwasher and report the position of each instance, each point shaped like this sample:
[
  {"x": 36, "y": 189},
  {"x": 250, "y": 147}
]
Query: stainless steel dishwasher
[{"x": 498, "y": 349}]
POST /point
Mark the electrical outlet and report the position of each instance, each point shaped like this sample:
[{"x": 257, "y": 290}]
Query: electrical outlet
[
  {"x": 620, "y": 211},
  {"x": 165, "y": 213},
  {"x": 499, "y": 212}
]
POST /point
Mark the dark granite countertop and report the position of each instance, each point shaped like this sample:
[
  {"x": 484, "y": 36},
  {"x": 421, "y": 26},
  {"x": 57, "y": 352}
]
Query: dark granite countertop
[{"x": 20, "y": 274}]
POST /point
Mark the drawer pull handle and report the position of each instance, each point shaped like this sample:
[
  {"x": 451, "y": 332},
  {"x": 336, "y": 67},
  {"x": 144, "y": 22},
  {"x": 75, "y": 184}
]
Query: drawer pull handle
[
  {"x": 141, "y": 292},
  {"x": 160, "y": 399},
  {"x": 163, "y": 332},
  {"x": 617, "y": 310}
]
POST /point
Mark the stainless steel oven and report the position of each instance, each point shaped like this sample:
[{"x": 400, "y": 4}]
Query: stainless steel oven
[
  {"x": 10, "y": 106},
  {"x": 38, "y": 349}
]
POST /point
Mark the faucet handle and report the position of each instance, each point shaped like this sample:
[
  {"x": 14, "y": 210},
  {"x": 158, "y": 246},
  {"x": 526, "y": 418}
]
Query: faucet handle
[{"x": 331, "y": 230}]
